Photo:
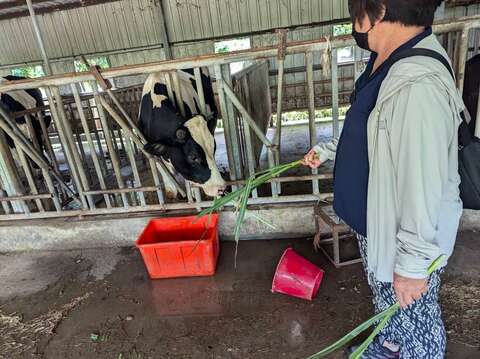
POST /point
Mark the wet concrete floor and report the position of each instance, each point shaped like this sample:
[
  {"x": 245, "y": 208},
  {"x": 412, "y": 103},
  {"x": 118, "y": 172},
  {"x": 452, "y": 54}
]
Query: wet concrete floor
[{"x": 100, "y": 303}]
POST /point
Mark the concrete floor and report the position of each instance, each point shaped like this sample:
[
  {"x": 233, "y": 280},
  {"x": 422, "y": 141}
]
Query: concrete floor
[{"x": 100, "y": 303}]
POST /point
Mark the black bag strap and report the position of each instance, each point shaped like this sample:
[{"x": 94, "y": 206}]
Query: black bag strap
[
  {"x": 464, "y": 131},
  {"x": 421, "y": 52}
]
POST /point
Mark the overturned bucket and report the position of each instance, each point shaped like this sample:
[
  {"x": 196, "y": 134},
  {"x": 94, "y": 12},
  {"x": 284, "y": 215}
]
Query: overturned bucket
[{"x": 296, "y": 276}]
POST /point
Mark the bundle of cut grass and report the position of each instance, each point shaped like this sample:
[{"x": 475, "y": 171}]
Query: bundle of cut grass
[
  {"x": 240, "y": 196},
  {"x": 382, "y": 318}
]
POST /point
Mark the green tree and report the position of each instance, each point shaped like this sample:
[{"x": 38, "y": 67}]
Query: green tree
[
  {"x": 342, "y": 29},
  {"x": 101, "y": 61},
  {"x": 29, "y": 71}
]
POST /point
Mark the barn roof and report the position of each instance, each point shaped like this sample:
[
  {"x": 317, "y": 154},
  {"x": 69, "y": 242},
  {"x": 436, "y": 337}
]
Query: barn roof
[{"x": 18, "y": 8}]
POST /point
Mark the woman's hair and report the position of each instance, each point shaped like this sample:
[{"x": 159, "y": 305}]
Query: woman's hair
[{"x": 406, "y": 12}]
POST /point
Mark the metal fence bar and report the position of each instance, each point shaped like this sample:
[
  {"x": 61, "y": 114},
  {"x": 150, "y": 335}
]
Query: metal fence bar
[
  {"x": 311, "y": 112},
  {"x": 97, "y": 138},
  {"x": 271, "y": 164},
  {"x": 309, "y": 198},
  {"x": 109, "y": 141},
  {"x": 278, "y": 132},
  {"x": 48, "y": 143},
  {"x": 113, "y": 137},
  {"x": 88, "y": 136},
  {"x": 335, "y": 110},
  {"x": 136, "y": 175},
  {"x": 462, "y": 58},
  {"x": 203, "y": 109},
  {"x": 67, "y": 150},
  {"x": 177, "y": 88},
  {"x": 246, "y": 116},
  {"x": 30, "y": 180},
  {"x": 280, "y": 77},
  {"x": 79, "y": 172},
  {"x": 227, "y": 117},
  {"x": 27, "y": 197},
  {"x": 9, "y": 174},
  {"x": 357, "y": 65},
  {"x": 156, "y": 180},
  {"x": 83, "y": 156},
  {"x": 188, "y": 189},
  {"x": 31, "y": 133},
  {"x": 290, "y": 179},
  {"x": 5, "y": 204},
  {"x": 200, "y": 91},
  {"x": 125, "y": 190},
  {"x": 248, "y": 136},
  {"x": 51, "y": 189},
  {"x": 120, "y": 137}
]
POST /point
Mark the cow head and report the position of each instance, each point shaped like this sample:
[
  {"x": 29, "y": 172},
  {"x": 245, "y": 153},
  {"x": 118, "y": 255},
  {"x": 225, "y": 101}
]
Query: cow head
[{"x": 192, "y": 153}]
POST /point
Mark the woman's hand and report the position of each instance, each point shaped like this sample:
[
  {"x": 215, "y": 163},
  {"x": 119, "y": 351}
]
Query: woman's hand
[
  {"x": 311, "y": 159},
  {"x": 408, "y": 290}
]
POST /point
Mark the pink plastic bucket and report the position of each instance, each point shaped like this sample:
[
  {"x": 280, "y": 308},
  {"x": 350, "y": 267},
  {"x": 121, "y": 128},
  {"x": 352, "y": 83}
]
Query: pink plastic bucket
[{"x": 296, "y": 276}]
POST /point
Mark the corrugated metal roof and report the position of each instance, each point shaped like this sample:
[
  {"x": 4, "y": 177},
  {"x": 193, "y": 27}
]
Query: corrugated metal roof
[
  {"x": 130, "y": 24},
  {"x": 133, "y": 26},
  {"x": 199, "y": 19},
  {"x": 18, "y": 8},
  {"x": 86, "y": 30}
]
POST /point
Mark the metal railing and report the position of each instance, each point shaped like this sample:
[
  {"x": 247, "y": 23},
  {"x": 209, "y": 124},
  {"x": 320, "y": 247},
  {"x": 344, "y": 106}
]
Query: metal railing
[{"x": 93, "y": 162}]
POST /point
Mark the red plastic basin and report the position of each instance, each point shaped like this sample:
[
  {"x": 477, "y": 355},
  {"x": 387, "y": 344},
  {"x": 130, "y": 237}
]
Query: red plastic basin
[
  {"x": 180, "y": 246},
  {"x": 296, "y": 276}
]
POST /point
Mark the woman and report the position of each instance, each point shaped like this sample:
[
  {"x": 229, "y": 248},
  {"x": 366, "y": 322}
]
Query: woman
[{"x": 396, "y": 171}]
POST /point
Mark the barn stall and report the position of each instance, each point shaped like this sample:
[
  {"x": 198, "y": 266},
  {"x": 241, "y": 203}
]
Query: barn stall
[
  {"x": 93, "y": 169},
  {"x": 94, "y": 149}
]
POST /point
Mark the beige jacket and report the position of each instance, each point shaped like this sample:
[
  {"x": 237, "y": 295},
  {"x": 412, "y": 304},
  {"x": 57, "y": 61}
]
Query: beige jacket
[{"x": 413, "y": 204}]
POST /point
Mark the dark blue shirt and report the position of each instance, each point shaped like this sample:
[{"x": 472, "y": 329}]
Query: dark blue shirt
[{"x": 351, "y": 162}]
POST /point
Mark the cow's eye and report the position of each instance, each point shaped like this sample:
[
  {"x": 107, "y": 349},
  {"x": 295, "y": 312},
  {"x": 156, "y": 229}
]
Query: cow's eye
[{"x": 194, "y": 159}]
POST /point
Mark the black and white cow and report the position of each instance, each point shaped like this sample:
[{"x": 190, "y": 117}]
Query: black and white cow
[
  {"x": 188, "y": 143},
  {"x": 471, "y": 88},
  {"x": 20, "y": 100}
]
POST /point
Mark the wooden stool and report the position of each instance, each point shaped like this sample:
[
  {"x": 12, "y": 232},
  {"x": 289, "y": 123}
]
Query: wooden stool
[{"x": 331, "y": 230}]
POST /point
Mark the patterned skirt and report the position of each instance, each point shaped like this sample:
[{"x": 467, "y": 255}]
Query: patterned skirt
[{"x": 418, "y": 330}]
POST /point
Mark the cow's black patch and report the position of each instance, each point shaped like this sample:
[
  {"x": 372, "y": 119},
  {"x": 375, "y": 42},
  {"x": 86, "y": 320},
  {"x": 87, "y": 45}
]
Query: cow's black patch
[{"x": 160, "y": 89}]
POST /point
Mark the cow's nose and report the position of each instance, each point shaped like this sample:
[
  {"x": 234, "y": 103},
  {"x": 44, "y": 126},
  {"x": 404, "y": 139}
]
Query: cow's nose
[{"x": 221, "y": 190}]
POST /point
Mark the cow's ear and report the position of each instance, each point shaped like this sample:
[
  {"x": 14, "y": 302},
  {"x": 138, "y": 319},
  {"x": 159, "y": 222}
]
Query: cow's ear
[
  {"x": 155, "y": 149},
  {"x": 212, "y": 124}
]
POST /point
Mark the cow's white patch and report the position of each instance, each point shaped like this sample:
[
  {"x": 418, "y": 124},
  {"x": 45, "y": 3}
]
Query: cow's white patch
[
  {"x": 149, "y": 88},
  {"x": 189, "y": 95},
  {"x": 202, "y": 135}
]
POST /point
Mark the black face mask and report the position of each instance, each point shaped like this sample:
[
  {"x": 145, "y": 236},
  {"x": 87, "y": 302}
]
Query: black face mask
[{"x": 361, "y": 38}]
